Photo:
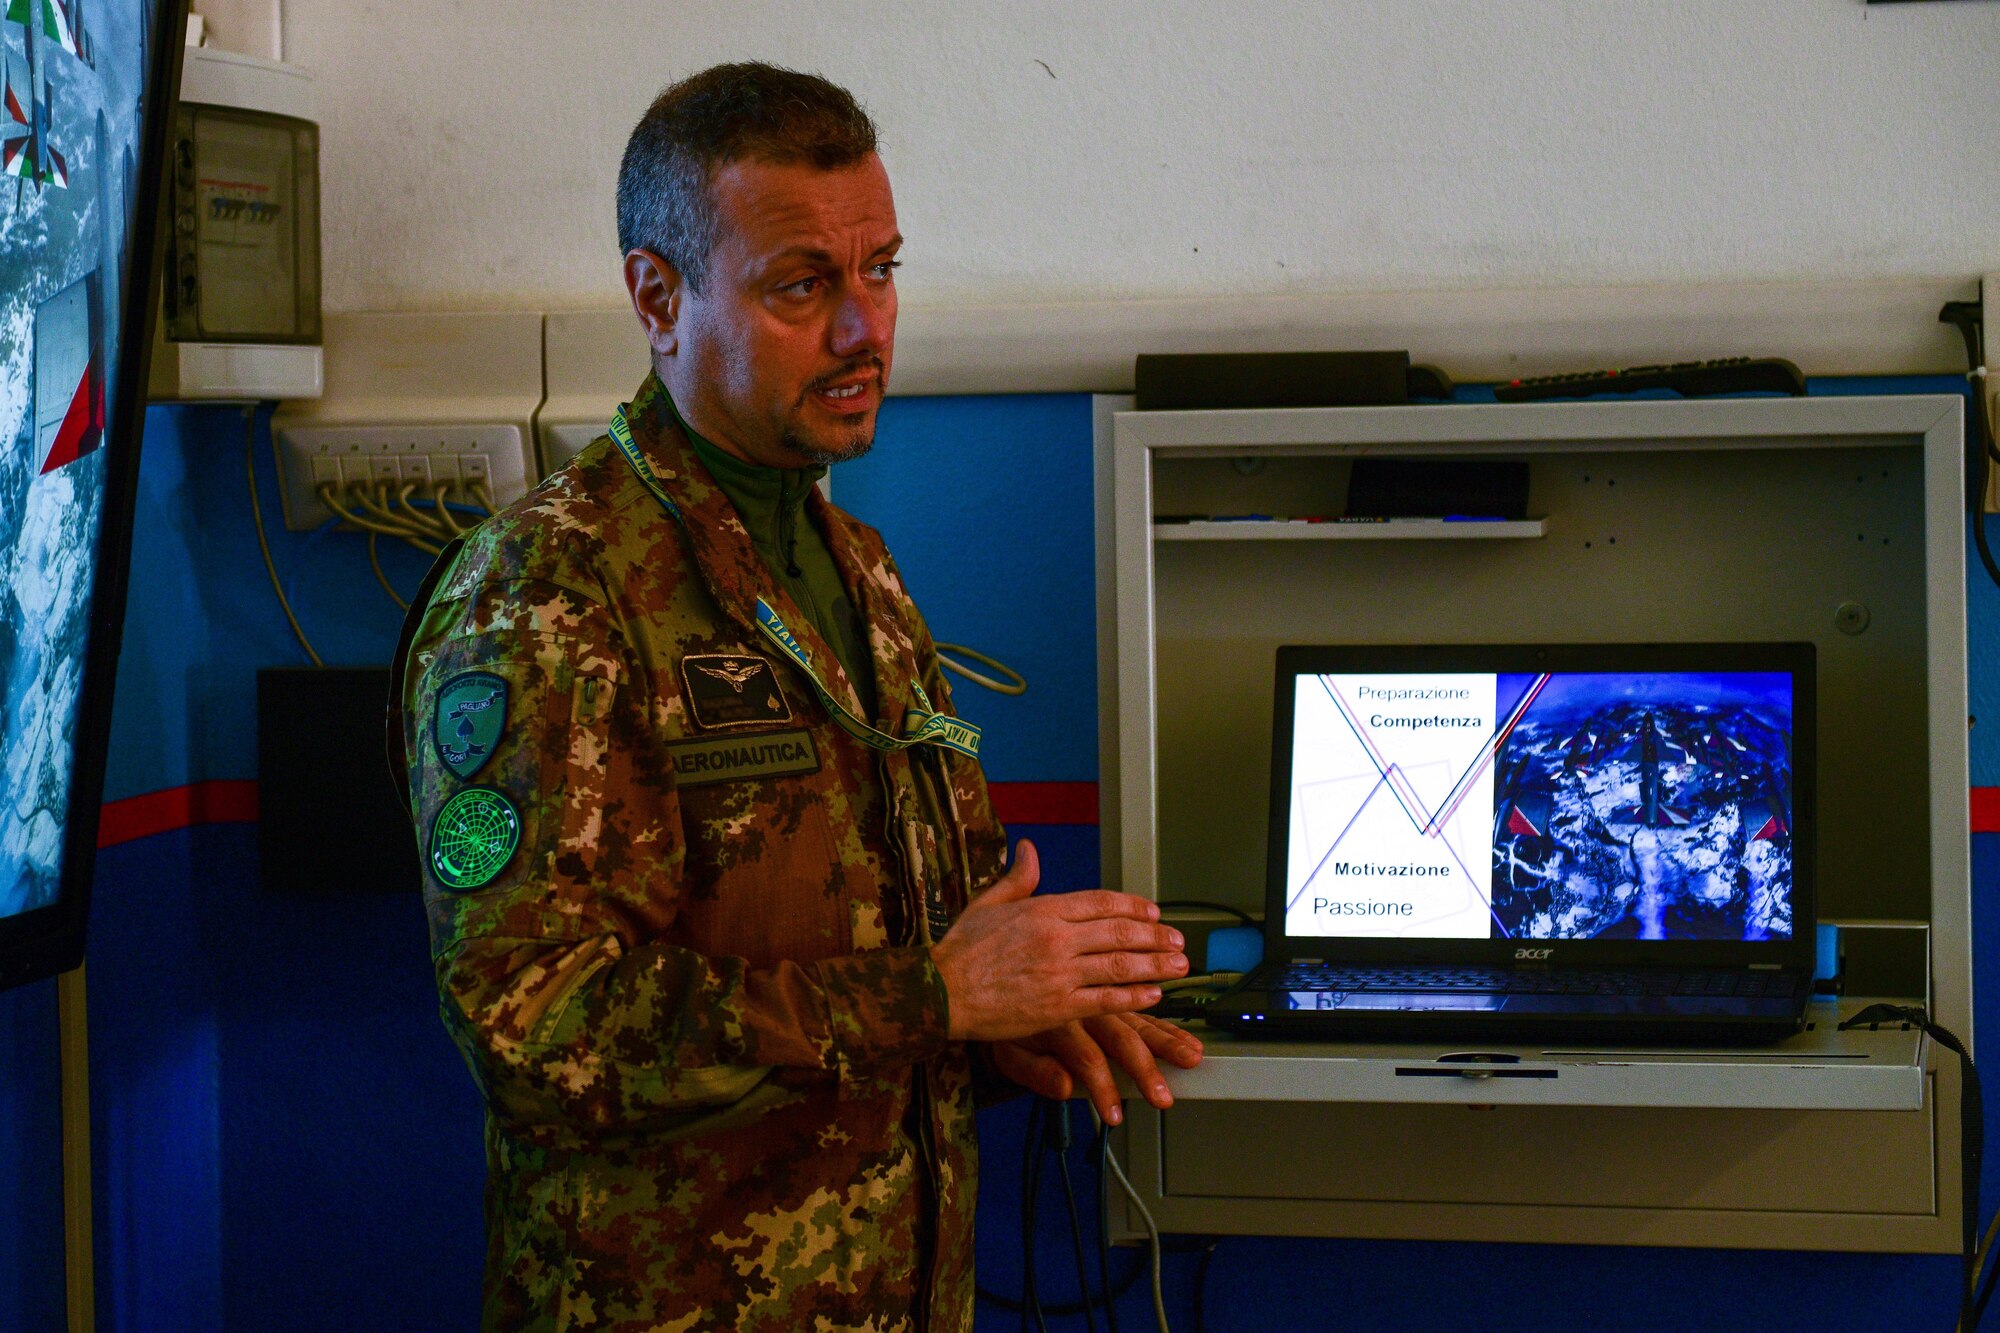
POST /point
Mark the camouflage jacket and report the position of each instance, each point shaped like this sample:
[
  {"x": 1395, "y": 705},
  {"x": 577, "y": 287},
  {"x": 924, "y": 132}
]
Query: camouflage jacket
[{"x": 697, "y": 994}]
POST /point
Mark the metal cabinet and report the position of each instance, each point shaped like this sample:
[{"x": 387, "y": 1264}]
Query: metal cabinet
[{"x": 1834, "y": 520}]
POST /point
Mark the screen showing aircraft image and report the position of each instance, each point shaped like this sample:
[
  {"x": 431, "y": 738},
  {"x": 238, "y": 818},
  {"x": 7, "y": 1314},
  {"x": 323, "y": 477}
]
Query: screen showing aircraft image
[
  {"x": 73, "y": 76},
  {"x": 1566, "y": 806}
]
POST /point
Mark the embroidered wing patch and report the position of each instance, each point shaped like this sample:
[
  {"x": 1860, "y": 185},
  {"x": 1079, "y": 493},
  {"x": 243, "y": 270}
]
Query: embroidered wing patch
[
  {"x": 733, "y": 690},
  {"x": 471, "y": 716}
]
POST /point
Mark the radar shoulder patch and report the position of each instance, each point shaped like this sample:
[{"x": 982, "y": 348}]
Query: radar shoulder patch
[{"x": 473, "y": 838}]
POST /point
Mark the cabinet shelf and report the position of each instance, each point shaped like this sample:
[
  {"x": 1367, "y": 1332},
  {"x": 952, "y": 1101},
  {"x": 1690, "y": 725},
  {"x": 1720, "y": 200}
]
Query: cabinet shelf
[
  {"x": 1395, "y": 529},
  {"x": 1822, "y": 1069}
]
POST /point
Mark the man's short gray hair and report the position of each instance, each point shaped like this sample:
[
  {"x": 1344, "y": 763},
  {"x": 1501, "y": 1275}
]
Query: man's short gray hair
[{"x": 725, "y": 114}]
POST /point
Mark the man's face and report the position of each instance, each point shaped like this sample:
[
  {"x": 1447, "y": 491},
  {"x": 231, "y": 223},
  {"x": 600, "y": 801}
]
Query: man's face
[{"x": 783, "y": 356}]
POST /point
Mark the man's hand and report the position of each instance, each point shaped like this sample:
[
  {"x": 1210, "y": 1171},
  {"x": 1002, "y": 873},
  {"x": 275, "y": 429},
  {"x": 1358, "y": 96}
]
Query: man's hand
[
  {"x": 1015, "y": 965},
  {"x": 1052, "y": 1063}
]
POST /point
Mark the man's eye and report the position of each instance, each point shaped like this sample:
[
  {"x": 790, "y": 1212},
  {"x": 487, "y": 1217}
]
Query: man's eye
[
  {"x": 886, "y": 269},
  {"x": 803, "y": 287}
]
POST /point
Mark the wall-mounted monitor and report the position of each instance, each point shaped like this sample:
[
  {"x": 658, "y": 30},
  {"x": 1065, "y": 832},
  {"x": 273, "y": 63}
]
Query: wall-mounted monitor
[{"x": 86, "y": 93}]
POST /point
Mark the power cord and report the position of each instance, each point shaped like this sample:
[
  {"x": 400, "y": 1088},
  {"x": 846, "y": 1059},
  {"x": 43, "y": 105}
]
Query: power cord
[
  {"x": 1058, "y": 1138},
  {"x": 1974, "y": 1290},
  {"x": 420, "y": 514},
  {"x": 388, "y": 525},
  {"x": 1969, "y": 318},
  {"x": 1152, "y": 1235},
  {"x": 1048, "y": 1131},
  {"x": 375, "y": 563},
  {"x": 1201, "y": 1284},
  {"x": 1030, "y": 1190},
  {"x": 1104, "y": 1233},
  {"x": 1187, "y": 998},
  {"x": 264, "y": 542},
  {"x": 1016, "y": 683}
]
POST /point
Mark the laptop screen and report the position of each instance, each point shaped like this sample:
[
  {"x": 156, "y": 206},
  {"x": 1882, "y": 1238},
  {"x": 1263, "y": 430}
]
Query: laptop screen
[{"x": 1625, "y": 804}]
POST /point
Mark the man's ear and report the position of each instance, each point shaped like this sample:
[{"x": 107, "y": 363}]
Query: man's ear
[{"x": 656, "y": 288}]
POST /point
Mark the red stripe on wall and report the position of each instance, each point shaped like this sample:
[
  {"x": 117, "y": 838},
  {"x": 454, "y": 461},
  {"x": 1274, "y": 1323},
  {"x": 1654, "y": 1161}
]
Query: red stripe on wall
[
  {"x": 1044, "y": 802},
  {"x": 235, "y": 802},
  {"x": 177, "y": 807}
]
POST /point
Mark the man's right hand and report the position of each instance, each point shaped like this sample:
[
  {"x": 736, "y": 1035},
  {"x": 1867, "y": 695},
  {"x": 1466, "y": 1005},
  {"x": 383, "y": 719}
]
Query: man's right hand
[{"x": 1014, "y": 964}]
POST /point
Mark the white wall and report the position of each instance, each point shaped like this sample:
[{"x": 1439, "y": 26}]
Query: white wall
[{"x": 1194, "y": 147}]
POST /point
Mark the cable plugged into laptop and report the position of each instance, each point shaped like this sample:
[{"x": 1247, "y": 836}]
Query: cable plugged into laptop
[{"x": 1977, "y": 1249}]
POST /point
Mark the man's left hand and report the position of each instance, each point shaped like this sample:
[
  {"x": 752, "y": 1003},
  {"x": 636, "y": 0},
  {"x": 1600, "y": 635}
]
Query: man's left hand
[{"x": 1054, "y": 1061}]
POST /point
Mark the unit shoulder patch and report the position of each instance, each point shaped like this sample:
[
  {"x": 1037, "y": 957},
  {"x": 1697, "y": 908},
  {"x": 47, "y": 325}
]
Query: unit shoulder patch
[
  {"x": 774, "y": 754},
  {"x": 727, "y": 690},
  {"x": 473, "y": 837},
  {"x": 471, "y": 714}
]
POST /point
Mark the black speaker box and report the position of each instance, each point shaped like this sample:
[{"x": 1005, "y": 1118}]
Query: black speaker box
[{"x": 330, "y": 819}]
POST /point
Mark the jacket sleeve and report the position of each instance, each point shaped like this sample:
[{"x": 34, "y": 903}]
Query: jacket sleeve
[{"x": 555, "y": 976}]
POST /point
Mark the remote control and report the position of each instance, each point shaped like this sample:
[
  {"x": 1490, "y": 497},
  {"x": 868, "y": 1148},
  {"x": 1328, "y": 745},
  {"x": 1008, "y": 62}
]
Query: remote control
[{"x": 1691, "y": 379}]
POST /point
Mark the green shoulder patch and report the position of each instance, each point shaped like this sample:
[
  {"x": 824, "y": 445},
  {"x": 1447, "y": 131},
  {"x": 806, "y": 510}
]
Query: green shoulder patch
[
  {"x": 471, "y": 715},
  {"x": 473, "y": 838}
]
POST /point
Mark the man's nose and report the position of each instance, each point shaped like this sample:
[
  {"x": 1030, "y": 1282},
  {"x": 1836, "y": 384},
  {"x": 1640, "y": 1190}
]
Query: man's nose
[{"x": 865, "y": 323}]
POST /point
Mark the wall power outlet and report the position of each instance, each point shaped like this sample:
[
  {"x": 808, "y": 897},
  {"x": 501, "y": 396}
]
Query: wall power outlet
[{"x": 493, "y": 454}]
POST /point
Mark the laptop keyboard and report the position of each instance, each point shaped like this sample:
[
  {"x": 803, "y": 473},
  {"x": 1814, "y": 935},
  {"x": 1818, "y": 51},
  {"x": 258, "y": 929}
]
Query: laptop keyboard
[{"x": 1506, "y": 981}]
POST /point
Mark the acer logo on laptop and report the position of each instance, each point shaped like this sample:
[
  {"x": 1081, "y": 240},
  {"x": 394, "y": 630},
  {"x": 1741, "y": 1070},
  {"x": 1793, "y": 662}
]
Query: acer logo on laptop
[{"x": 1531, "y": 955}]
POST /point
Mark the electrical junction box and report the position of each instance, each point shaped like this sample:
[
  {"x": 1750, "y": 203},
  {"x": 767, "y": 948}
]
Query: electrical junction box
[
  {"x": 434, "y": 403},
  {"x": 239, "y": 310}
]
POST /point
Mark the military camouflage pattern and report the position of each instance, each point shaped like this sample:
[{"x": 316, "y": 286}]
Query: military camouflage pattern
[{"x": 704, "y": 1018}]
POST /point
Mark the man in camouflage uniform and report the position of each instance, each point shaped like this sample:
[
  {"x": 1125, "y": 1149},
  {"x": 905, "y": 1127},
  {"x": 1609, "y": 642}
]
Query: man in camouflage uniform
[{"x": 715, "y": 892}]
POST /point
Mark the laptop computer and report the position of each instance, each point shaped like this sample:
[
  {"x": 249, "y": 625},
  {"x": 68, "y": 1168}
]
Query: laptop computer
[{"x": 1598, "y": 843}]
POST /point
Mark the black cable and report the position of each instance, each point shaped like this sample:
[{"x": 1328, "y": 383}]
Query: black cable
[
  {"x": 1060, "y": 1138},
  {"x": 263, "y": 542},
  {"x": 1968, "y": 317},
  {"x": 1971, "y": 1149},
  {"x": 1048, "y": 1129},
  {"x": 1030, "y": 1301},
  {"x": 1236, "y": 912},
  {"x": 1201, "y": 1285},
  {"x": 1142, "y": 1262},
  {"x": 1983, "y": 431},
  {"x": 1104, "y": 1230},
  {"x": 1031, "y": 1180}
]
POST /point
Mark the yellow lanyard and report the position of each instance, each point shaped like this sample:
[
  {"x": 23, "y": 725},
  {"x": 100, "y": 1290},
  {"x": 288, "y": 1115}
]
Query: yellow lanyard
[{"x": 922, "y": 724}]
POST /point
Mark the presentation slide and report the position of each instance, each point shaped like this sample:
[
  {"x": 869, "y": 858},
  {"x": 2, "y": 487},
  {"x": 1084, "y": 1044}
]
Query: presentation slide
[
  {"x": 1392, "y": 806},
  {"x": 1576, "y": 806}
]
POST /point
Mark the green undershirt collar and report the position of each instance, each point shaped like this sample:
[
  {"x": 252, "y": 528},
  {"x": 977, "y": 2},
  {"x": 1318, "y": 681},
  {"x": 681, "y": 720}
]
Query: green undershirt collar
[{"x": 771, "y": 502}]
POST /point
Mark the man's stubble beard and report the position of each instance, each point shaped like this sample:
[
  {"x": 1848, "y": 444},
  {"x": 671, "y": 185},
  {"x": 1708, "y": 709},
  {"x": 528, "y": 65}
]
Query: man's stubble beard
[
  {"x": 824, "y": 457},
  {"x": 863, "y": 438}
]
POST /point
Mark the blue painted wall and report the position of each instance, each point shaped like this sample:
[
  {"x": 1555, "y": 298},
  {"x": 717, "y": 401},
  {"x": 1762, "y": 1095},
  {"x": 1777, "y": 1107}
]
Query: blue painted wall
[
  {"x": 284, "y": 1137},
  {"x": 31, "y": 1232}
]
